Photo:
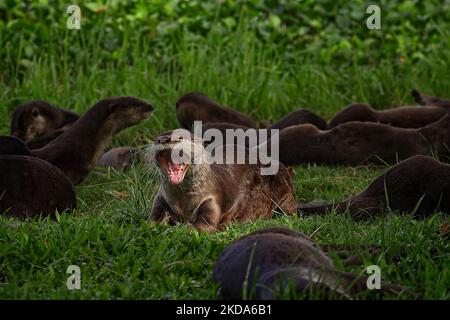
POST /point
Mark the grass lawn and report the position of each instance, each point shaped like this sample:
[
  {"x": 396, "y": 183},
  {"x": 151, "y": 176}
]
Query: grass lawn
[{"x": 121, "y": 254}]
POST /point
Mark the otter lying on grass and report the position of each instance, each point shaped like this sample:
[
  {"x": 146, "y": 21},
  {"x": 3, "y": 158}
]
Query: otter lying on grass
[
  {"x": 419, "y": 185},
  {"x": 269, "y": 262},
  {"x": 30, "y": 186},
  {"x": 403, "y": 117},
  {"x": 210, "y": 195}
]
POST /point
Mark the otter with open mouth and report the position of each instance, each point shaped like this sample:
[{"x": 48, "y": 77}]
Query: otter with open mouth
[{"x": 209, "y": 195}]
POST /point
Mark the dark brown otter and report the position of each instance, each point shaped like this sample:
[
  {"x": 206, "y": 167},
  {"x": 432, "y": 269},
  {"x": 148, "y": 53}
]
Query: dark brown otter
[
  {"x": 419, "y": 185},
  {"x": 196, "y": 106},
  {"x": 12, "y": 145},
  {"x": 356, "y": 143},
  {"x": 39, "y": 120},
  {"x": 77, "y": 151},
  {"x": 120, "y": 158},
  {"x": 430, "y": 100},
  {"x": 301, "y": 116},
  {"x": 31, "y": 187},
  {"x": 269, "y": 262},
  {"x": 402, "y": 117},
  {"x": 211, "y": 195}
]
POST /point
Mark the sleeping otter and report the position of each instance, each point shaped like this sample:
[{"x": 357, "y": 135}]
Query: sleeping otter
[
  {"x": 40, "y": 121},
  {"x": 196, "y": 106},
  {"x": 30, "y": 186},
  {"x": 356, "y": 143},
  {"x": 267, "y": 262},
  {"x": 419, "y": 185},
  {"x": 403, "y": 117},
  {"x": 210, "y": 195},
  {"x": 430, "y": 100},
  {"x": 302, "y": 116},
  {"x": 77, "y": 151}
]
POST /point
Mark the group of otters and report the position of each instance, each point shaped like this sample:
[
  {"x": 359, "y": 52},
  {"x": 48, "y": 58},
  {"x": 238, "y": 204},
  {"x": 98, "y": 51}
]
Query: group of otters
[{"x": 51, "y": 149}]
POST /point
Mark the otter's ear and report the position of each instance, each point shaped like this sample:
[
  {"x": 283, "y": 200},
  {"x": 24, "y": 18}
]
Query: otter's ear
[{"x": 35, "y": 112}]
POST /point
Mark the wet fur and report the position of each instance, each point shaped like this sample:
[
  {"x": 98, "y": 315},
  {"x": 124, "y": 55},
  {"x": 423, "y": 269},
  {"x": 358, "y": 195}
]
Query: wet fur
[
  {"x": 77, "y": 150},
  {"x": 357, "y": 143},
  {"x": 419, "y": 185},
  {"x": 213, "y": 195},
  {"x": 30, "y": 186},
  {"x": 261, "y": 263},
  {"x": 196, "y": 106}
]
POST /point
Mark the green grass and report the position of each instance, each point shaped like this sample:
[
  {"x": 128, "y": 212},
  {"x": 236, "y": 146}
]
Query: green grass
[{"x": 121, "y": 254}]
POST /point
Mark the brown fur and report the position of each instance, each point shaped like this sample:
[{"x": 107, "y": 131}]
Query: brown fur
[
  {"x": 430, "y": 100},
  {"x": 77, "y": 151},
  {"x": 11, "y": 145},
  {"x": 196, "y": 106},
  {"x": 418, "y": 185},
  {"x": 402, "y": 117},
  {"x": 120, "y": 158},
  {"x": 268, "y": 261},
  {"x": 301, "y": 116},
  {"x": 213, "y": 195},
  {"x": 39, "y": 120},
  {"x": 356, "y": 143},
  {"x": 31, "y": 187}
]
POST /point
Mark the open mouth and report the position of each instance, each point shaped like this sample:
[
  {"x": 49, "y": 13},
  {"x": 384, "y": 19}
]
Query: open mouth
[{"x": 175, "y": 170}]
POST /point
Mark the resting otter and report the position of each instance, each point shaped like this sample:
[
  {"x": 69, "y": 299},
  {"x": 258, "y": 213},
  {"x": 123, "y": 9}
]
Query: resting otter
[
  {"x": 403, "y": 117},
  {"x": 195, "y": 106},
  {"x": 419, "y": 185},
  {"x": 77, "y": 151},
  {"x": 39, "y": 120},
  {"x": 211, "y": 195},
  {"x": 356, "y": 143},
  {"x": 120, "y": 158},
  {"x": 430, "y": 100},
  {"x": 12, "y": 145},
  {"x": 30, "y": 186},
  {"x": 301, "y": 116},
  {"x": 267, "y": 262}
]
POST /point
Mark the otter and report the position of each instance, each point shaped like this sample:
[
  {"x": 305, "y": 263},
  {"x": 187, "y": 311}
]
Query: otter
[
  {"x": 77, "y": 150},
  {"x": 403, "y": 117},
  {"x": 39, "y": 120},
  {"x": 357, "y": 143},
  {"x": 419, "y": 185},
  {"x": 302, "y": 116},
  {"x": 430, "y": 100},
  {"x": 268, "y": 262},
  {"x": 12, "y": 145},
  {"x": 210, "y": 195},
  {"x": 30, "y": 186},
  {"x": 196, "y": 106},
  {"x": 120, "y": 158}
]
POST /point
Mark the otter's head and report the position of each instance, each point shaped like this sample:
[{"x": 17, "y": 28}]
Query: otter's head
[
  {"x": 179, "y": 155},
  {"x": 121, "y": 112},
  {"x": 32, "y": 120}
]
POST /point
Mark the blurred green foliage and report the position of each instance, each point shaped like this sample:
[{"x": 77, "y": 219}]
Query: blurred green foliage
[{"x": 327, "y": 30}]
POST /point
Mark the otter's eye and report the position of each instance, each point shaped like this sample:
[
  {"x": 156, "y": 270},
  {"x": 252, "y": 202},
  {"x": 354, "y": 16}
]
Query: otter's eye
[{"x": 35, "y": 113}]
